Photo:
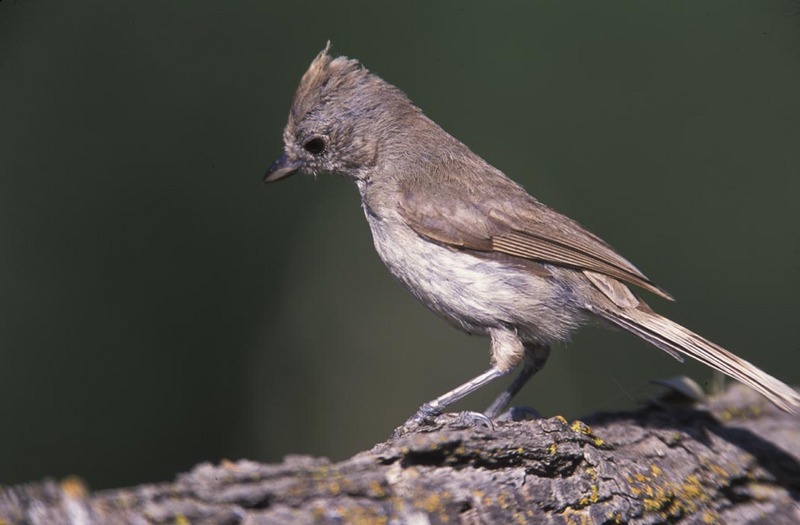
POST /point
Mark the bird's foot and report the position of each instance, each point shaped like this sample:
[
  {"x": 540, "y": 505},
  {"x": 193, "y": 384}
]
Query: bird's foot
[
  {"x": 430, "y": 418},
  {"x": 472, "y": 419},
  {"x": 425, "y": 416}
]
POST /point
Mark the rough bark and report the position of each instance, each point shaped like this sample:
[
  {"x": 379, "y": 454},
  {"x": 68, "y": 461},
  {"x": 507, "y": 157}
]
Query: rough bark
[{"x": 732, "y": 460}]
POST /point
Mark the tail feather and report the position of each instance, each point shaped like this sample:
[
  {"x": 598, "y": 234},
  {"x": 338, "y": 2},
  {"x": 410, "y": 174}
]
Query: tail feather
[{"x": 673, "y": 338}]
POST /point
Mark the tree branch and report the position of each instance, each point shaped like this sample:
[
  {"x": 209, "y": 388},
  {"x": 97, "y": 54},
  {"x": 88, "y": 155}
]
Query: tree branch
[{"x": 735, "y": 460}]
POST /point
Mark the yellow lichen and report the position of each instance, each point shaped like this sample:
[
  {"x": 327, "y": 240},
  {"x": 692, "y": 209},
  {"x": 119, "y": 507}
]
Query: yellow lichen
[
  {"x": 668, "y": 498},
  {"x": 74, "y": 487},
  {"x": 718, "y": 471},
  {"x": 652, "y": 505},
  {"x": 361, "y": 516},
  {"x": 585, "y": 430},
  {"x": 320, "y": 473},
  {"x": 593, "y": 497},
  {"x": 377, "y": 490},
  {"x": 574, "y": 517},
  {"x": 502, "y": 500},
  {"x": 432, "y": 503}
]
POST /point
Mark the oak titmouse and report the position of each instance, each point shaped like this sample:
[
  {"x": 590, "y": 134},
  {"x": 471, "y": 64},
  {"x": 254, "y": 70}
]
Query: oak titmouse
[{"x": 470, "y": 243}]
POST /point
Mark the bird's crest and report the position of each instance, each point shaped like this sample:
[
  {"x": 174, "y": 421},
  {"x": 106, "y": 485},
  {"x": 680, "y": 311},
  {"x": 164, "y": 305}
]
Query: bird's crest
[{"x": 325, "y": 77}]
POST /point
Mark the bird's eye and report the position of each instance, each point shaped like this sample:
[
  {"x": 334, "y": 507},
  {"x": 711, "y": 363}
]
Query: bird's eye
[{"x": 315, "y": 146}]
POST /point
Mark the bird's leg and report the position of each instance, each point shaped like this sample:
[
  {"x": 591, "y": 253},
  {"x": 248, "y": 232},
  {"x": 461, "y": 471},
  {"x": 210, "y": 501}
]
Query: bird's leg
[
  {"x": 507, "y": 353},
  {"x": 435, "y": 408},
  {"x": 534, "y": 360}
]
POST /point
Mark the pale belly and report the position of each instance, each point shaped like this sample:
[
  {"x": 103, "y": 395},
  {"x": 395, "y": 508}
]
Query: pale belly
[{"x": 475, "y": 293}]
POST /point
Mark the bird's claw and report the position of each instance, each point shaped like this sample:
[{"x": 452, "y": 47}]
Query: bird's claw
[
  {"x": 428, "y": 416},
  {"x": 473, "y": 419},
  {"x": 425, "y": 416}
]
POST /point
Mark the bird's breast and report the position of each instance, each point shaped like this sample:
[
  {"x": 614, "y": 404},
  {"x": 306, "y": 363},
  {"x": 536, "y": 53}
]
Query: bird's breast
[{"x": 471, "y": 292}]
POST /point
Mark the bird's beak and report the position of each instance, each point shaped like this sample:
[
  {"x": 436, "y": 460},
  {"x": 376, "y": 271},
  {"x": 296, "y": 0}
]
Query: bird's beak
[{"x": 280, "y": 169}]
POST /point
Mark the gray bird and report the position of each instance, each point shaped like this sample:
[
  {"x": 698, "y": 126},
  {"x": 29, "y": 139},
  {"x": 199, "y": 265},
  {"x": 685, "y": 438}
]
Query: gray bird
[{"x": 471, "y": 244}]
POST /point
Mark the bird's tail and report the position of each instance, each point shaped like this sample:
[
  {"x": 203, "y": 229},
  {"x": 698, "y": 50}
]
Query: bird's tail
[{"x": 674, "y": 338}]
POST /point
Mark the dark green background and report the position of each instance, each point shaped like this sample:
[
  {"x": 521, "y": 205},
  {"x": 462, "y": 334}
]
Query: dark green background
[{"x": 160, "y": 307}]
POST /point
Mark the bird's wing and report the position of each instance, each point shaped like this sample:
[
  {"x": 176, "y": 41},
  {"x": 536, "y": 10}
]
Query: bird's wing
[{"x": 494, "y": 215}]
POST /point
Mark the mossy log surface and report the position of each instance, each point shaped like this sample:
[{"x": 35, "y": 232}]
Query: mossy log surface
[{"x": 734, "y": 459}]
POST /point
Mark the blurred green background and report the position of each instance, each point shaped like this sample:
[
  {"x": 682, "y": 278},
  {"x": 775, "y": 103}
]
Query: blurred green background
[{"x": 160, "y": 307}]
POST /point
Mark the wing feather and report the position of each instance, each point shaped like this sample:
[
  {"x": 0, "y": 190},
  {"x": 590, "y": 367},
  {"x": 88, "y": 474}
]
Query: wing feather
[{"x": 491, "y": 213}]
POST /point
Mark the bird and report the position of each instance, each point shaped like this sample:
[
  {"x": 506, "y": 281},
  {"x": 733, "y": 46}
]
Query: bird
[{"x": 470, "y": 243}]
